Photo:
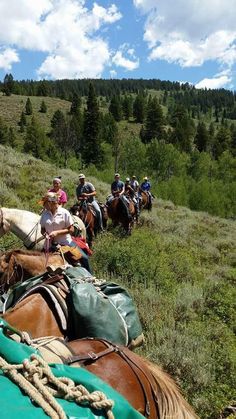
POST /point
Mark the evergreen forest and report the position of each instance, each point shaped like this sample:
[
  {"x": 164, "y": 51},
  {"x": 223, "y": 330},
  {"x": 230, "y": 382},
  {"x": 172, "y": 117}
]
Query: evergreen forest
[{"x": 182, "y": 138}]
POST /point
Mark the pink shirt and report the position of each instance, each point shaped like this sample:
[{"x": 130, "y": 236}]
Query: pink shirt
[{"x": 62, "y": 197}]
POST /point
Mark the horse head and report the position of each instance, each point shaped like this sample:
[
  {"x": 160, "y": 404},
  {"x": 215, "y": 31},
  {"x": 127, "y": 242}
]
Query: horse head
[
  {"x": 4, "y": 224},
  {"x": 8, "y": 270},
  {"x": 74, "y": 210}
]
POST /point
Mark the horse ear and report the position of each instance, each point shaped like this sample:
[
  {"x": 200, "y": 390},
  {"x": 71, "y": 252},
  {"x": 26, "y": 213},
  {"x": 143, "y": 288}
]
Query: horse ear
[
  {"x": 8, "y": 256},
  {"x": 6, "y": 226}
]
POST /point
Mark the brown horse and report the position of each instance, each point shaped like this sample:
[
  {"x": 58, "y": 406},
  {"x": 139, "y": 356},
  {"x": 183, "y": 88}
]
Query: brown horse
[
  {"x": 87, "y": 214},
  {"x": 146, "y": 386},
  {"x": 122, "y": 212},
  {"x": 145, "y": 201},
  {"x": 18, "y": 265}
]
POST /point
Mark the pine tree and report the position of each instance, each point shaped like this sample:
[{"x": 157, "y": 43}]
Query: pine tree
[
  {"x": 139, "y": 108},
  {"x": 3, "y": 132},
  {"x": 11, "y": 137},
  {"x": 76, "y": 133},
  {"x": 28, "y": 107},
  {"x": 222, "y": 141},
  {"x": 8, "y": 84},
  {"x": 154, "y": 124},
  {"x": 91, "y": 151},
  {"x": 35, "y": 140},
  {"x": 43, "y": 107},
  {"x": 22, "y": 122},
  {"x": 109, "y": 128},
  {"x": 127, "y": 106},
  {"x": 183, "y": 129},
  {"x": 75, "y": 104},
  {"x": 60, "y": 134},
  {"x": 202, "y": 137},
  {"x": 115, "y": 108}
]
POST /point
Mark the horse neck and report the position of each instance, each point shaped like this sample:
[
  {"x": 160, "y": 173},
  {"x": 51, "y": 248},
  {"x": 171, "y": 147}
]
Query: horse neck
[{"x": 21, "y": 222}]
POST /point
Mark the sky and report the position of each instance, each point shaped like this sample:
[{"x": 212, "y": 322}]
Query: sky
[{"x": 190, "y": 41}]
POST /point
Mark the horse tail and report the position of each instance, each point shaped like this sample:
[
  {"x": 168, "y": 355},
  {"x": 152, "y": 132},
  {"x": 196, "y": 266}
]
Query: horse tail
[
  {"x": 171, "y": 403},
  {"x": 124, "y": 208}
]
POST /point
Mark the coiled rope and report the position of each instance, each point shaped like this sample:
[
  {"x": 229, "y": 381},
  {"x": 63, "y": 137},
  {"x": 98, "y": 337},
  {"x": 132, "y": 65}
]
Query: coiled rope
[{"x": 36, "y": 379}]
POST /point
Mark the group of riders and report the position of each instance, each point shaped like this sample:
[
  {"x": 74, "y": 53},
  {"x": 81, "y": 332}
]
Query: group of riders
[
  {"x": 130, "y": 190},
  {"x": 57, "y": 224}
]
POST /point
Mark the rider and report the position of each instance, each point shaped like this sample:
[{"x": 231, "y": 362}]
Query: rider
[
  {"x": 57, "y": 226},
  {"x": 145, "y": 187},
  {"x": 135, "y": 186},
  {"x": 85, "y": 191},
  {"x": 117, "y": 189},
  {"x": 130, "y": 194},
  {"x": 57, "y": 189}
]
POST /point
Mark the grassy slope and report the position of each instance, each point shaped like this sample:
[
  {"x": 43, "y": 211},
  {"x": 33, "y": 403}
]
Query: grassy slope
[
  {"x": 12, "y": 106},
  {"x": 180, "y": 267}
]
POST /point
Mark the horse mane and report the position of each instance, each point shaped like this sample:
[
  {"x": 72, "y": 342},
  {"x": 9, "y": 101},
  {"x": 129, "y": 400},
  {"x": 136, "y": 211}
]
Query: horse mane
[
  {"x": 73, "y": 210},
  {"x": 22, "y": 252},
  {"x": 171, "y": 403}
]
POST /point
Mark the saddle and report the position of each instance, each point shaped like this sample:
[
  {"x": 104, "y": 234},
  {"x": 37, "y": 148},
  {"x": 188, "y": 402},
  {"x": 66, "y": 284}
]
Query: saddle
[
  {"x": 87, "y": 206},
  {"x": 55, "y": 289}
]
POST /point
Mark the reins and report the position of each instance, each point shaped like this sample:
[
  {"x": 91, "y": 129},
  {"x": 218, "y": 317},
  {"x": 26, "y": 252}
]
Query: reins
[{"x": 34, "y": 229}]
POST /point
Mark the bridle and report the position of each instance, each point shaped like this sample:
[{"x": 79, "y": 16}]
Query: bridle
[{"x": 9, "y": 275}]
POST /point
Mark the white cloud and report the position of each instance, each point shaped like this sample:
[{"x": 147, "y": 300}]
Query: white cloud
[
  {"x": 113, "y": 74},
  {"x": 7, "y": 58},
  {"x": 214, "y": 83},
  {"x": 126, "y": 62},
  {"x": 66, "y": 30},
  {"x": 190, "y": 32},
  {"x": 222, "y": 79}
]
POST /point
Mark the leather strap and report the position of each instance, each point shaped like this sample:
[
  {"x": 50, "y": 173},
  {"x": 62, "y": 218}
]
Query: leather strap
[
  {"x": 90, "y": 356},
  {"x": 134, "y": 365}
]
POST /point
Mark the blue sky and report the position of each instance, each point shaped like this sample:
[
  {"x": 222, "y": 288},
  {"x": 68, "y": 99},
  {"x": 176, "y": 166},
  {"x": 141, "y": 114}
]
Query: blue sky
[{"x": 179, "y": 40}]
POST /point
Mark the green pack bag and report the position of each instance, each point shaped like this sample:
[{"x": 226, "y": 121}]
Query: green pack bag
[
  {"x": 105, "y": 311},
  {"x": 94, "y": 315},
  {"x": 14, "y": 403}
]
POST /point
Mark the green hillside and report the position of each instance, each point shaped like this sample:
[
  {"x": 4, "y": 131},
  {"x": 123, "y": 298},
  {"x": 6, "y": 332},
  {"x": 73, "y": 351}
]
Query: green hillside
[
  {"x": 182, "y": 138},
  {"x": 180, "y": 267}
]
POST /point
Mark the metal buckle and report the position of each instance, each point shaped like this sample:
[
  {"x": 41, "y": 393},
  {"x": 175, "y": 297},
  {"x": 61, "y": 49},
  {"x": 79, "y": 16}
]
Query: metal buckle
[{"x": 93, "y": 356}]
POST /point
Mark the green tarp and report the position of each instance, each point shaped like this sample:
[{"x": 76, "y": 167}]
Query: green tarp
[
  {"x": 105, "y": 312},
  {"x": 14, "y": 404}
]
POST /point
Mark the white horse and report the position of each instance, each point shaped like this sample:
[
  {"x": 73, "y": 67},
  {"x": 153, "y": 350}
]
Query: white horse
[{"x": 25, "y": 225}]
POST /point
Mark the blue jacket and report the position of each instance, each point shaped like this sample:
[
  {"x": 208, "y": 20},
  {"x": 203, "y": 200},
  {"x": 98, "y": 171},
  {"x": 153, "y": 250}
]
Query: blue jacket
[{"x": 145, "y": 186}]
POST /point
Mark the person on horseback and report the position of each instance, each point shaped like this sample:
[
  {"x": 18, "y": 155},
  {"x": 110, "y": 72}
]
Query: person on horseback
[
  {"x": 57, "y": 189},
  {"x": 85, "y": 191},
  {"x": 130, "y": 195},
  {"x": 117, "y": 189},
  {"x": 135, "y": 186},
  {"x": 146, "y": 187},
  {"x": 57, "y": 226}
]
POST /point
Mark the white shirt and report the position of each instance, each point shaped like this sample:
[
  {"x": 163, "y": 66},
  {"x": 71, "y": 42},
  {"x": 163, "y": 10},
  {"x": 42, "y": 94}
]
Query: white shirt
[{"x": 60, "y": 220}]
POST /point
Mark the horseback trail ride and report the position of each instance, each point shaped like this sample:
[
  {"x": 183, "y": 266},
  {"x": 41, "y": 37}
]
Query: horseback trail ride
[{"x": 44, "y": 295}]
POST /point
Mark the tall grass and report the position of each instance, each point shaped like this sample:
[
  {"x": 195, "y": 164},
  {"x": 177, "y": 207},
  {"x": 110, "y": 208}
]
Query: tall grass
[{"x": 180, "y": 267}]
